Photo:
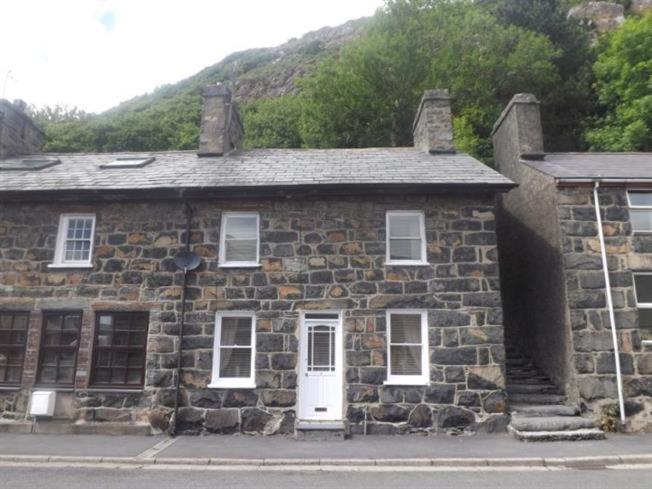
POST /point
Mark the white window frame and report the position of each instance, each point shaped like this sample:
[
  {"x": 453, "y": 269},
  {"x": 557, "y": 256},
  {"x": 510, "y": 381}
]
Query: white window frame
[
  {"x": 233, "y": 382},
  {"x": 639, "y": 207},
  {"x": 424, "y": 378},
  {"x": 422, "y": 232},
  {"x": 223, "y": 263},
  {"x": 62, "y": 233},
  {"x": 641, "y": 305}
]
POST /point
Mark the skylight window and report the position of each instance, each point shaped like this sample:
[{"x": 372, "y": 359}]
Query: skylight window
[
  {"x": 32, "y": 164},
  {"x": 128, "y": 162}
]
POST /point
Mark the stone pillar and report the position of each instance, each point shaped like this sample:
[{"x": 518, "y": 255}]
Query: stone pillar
[
  {"x": 433, "y": 125},
  {"x": 18, "y": 133},
  {"x": 517, "y": 133},
  {"x": 221, "y": 130}
]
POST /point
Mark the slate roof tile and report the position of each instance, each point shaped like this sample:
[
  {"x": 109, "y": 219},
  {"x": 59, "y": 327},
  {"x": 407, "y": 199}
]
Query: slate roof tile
[{"x": 256, "y": 168}]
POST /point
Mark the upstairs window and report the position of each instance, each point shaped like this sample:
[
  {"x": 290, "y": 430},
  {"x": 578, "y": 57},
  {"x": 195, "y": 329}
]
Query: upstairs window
[
  {"x": 640, "y": 211},
  {"x": 59, "y": 345},
  {"x": 407, "y": 340},
  {"x": 643, "y": 288},
  {"x": 119, "y": 350},
  {"x": 239, "y": 239},
  {"x": 75, "y": 240},
  {"x": 234, "y": 350},
  {"x": 13, "y": 337},
  {"x": 406, "y": 238}
]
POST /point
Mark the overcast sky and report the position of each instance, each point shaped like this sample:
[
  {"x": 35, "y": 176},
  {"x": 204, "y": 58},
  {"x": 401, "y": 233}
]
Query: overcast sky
[{"x": 96, "y": 53}]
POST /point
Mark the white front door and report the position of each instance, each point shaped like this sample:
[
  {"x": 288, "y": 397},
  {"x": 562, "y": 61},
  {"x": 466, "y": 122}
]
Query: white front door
[{"x": 320, "y": 372}]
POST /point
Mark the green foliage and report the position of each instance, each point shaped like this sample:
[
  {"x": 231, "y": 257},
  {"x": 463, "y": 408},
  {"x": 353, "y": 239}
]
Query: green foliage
[
  {"x": 272, "y": 122},
  {"x": 624, "y": 87},
  {"x": 566, "y": 104},
  {"x": 367, "y": 95}
]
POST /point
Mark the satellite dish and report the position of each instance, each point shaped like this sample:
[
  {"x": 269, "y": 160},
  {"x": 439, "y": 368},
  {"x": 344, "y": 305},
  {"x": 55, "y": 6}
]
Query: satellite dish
[{"x": 187, "y": 260}]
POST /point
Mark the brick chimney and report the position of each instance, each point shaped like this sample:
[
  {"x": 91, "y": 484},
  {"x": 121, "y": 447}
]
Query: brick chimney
[
  {"x": 221, "y": 130},
  {"x": 517, "y": 134},
  {"x": 18, "y": 133},
  {"x": 433, "y": 125}
]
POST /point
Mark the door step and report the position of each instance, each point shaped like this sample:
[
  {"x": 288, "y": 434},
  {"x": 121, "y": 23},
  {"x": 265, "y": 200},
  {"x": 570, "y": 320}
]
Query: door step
[
  {"x": 322, "y": 430},
  {"x": 571, "y": 435}
]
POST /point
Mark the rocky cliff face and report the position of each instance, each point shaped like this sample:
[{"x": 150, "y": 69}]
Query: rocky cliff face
[
  {"x": 601, "y": 16},
  {"x": 606, "y": 16},
  {"x": 291, "y": 60}
]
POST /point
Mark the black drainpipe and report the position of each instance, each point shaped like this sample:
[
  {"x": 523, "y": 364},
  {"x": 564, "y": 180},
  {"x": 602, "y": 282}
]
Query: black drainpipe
[{"x": 173, "y": 429}]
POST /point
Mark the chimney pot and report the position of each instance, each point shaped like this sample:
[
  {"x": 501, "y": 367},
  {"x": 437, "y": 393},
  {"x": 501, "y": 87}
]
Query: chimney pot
[
  {"x": 221, "y": 129},
  {"x": 433, "y": 125}
]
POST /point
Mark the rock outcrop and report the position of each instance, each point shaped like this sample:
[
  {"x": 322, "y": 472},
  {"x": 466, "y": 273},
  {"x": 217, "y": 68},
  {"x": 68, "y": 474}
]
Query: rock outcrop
[{"x": 600, "y": 16}]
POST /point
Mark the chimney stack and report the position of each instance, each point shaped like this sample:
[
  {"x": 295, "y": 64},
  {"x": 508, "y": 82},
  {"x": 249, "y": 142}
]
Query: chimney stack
[
  {"x": 18, "y": 133},
  {"x": 517, "y": 134},
  {"x": 221, "y": 129},
  {"x": 433, "y": 125}
]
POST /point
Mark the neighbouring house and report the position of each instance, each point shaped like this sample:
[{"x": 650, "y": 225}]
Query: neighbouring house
[
  {"x": 562, "y": 311},
  {"x": 338, "y": 289}
]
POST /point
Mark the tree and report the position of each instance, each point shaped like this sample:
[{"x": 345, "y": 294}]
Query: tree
[
  {"x": 624, "y": 87},
  {"x": 568, "y": 103},
  {"x": 367, "y": 95},
  {"x": 272, "y": 122}
]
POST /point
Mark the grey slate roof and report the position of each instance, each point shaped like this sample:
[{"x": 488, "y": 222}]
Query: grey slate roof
[
  {"x": 256, "y": 169},
  {"x": 612, "y": 166}
]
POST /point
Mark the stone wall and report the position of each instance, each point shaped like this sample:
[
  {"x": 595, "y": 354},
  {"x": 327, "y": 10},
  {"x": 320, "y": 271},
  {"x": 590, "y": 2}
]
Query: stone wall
[
  {"x": 593, "y": 357},
  {"x": 18, "y": 133},
  {"x": 315, "y": 254}
]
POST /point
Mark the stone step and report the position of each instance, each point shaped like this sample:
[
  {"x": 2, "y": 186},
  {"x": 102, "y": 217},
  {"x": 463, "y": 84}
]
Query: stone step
[
  {"x": 574, "y": 435},
  {"x": 529, "y": 380},
  {"x": 537, "y": 398},
  {"x": 522, "y": 371},
  {"x": 543, "y": 410},
  {"x": 321, "y": 430},
  {"x": 551, "y": 423},
  {"x": 532, "y": 389},
  {"x": 517, "y": 362}
]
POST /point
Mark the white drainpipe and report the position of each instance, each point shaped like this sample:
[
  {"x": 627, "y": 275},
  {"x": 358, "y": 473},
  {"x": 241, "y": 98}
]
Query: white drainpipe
[{"x": 610, "y": 304}]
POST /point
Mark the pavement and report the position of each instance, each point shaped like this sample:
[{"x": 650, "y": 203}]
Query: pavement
[
  {"x": 360, "y": 451},
  {"x": 148, "y": 477}
]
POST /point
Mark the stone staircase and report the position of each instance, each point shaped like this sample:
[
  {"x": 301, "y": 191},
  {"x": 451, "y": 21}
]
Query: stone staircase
[{"x": 539, "y": 409}]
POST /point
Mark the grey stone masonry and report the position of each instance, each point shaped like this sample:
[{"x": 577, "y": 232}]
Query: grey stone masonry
[
  {"x": 315, "y": 254},
  {"x": 221, "y": 130},
  {"x": 433, "y": 125},
  {"x": 18, "y": 133},
  {"x": 553, "y": 286},
  {"x": 593, "y": 357}
]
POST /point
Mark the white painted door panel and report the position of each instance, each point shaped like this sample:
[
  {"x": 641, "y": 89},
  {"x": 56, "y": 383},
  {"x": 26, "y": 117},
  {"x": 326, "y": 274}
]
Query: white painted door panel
[{"x": 320, "y": 375}]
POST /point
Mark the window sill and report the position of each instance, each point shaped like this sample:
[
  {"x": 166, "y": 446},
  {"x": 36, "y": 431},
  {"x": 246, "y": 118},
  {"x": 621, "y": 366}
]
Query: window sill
[
  {"x": 115, "y": 390},
  {"x": 53, "y": 388},
  {"x": 240, "y": 265},
  {"x": 422, "y": 383},
  {"x": 407, "y": 263},
  {"x": 70, "y": 266},
  {"x": 10, "y": 388},
  {"x": 232, "y": 385}
]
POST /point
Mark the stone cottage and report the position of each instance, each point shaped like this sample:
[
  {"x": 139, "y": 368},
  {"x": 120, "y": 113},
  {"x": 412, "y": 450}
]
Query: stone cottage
[
  {"x": 338, "y": 289},
  {"x": 577, "y": 284}
]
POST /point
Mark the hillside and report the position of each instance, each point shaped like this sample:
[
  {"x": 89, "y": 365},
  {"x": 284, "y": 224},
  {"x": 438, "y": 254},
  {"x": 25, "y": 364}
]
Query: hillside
[
  {"x": 357, "y": 85},
  {"x": 256, "y": 73}
]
